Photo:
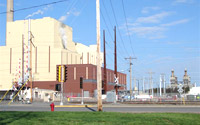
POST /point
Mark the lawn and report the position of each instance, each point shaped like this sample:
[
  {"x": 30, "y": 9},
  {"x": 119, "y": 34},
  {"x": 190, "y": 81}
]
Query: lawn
[{"x": 106, "y": 118}]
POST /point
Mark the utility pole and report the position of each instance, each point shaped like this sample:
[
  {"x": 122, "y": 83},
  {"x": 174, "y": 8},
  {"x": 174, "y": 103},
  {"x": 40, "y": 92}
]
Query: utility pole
[
  {"x": 150, "y": 82},
  {"x": 31, "y": 71},
  {"x": 30, "y": 44},
  {"x": 99, "y": 85},
  {"x": 115, "y": 52},
  {"x": 105, "y": 73},
  {"x": 22, "y": 58},
  {"x": 162, "y": 82},
  {"x": 62, "y": 71},
  {"x": 130, "y": 58},
  {"x": 160, "y": 85}
]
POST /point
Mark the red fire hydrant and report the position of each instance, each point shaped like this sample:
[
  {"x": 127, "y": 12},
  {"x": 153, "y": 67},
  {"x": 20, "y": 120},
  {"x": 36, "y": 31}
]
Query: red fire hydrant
[{"x": 52, "y": 106}]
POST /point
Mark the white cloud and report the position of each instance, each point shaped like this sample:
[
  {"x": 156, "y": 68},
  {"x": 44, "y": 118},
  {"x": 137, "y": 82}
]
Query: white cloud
[
  {"x": 172, "y": 43},
  {"x": 161, "y": 60},
  {"x": 176, "y": 22},
  {"x": 154, "y": 18},
  {"x": 153, "y": 32},
  {"x": 147, "y": 9},
  {"x": 182, "y": 1}
]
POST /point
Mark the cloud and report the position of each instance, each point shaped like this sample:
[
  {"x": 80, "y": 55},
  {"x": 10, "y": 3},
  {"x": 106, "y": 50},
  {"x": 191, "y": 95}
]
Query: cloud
[
  {"x": 150, "y": 30},
  {"x": 176, "y": 22},
  {"x": 154, "y": 18},
  {"x": 147, "y": 9},
  {"x": 172, "y": 43},
  {"x": 182, "y": 1},
  {"x": 147, "y": 31},
  {"x": 162, "y": 60},
  {"x": 192, "y": 49}
]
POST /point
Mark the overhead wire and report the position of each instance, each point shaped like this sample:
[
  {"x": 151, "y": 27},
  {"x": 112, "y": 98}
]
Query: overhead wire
[
  {"x": 127, "y": 28},
  {"x": 118, "y": 27},
  {"x": 36, "y": 6},
  {"x": 108, "y": 30}
]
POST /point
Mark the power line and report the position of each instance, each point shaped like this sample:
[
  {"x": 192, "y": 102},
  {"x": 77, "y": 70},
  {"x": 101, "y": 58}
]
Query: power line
[
  {"x": 127, "y": 27},
  {"x": 118, "y": 27},
  {"x": 26, "y": 8},
  {"x": 108, "y": 30}
]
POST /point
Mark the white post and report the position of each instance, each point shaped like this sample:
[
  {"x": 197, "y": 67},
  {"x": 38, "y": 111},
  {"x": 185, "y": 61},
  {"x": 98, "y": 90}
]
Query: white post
[
  {"x": 82, "y": 98},
  {"x": 164, "y": 87},
  {"x": 152, "y": 87},
  {"x": 143, "y": 85},
  {"x": 160, "y": 85}
]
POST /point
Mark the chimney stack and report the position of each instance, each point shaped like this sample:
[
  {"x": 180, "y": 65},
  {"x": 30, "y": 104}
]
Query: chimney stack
[
  {"x": 185, "y": 72},
  {"x": 10, "y": 10},
  {"x": 172, "y": 73}
]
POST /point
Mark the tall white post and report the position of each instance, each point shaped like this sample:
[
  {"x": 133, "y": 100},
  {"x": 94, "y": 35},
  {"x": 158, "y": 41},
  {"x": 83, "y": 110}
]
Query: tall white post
[
  {"x": 164, "y": 87},
  {"x": 143, "y": 85},
  {"x": 160, "y": 85}
]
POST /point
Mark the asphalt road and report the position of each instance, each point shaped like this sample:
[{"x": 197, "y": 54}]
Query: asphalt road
[{"x": 106, "y": 108}]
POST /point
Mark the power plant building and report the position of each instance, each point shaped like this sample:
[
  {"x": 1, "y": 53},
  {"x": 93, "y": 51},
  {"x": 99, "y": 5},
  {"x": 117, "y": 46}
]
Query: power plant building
[{"x": 40, "y": 45}]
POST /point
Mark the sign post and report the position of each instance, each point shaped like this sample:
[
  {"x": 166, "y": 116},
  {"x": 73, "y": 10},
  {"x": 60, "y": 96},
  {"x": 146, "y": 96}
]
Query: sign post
[
  {"x": 180, "y": 90},
  {"x": 81, "y": 87},
  {"x": 116, "y": 80}
]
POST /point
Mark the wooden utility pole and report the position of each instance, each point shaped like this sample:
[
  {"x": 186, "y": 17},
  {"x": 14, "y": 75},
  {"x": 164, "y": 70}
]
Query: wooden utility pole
[
  {"x": 31, "y": 82},
  {"x": 105, "y": 73},
  {"x": 23, "y": 58},
  {"x": 99, "y": 86},
  {"x": 31, "y": 68},
  {"x": 115, "y": 52},
  {"x": 30, "y": 44},
  {"x": 130, "y": 58}
]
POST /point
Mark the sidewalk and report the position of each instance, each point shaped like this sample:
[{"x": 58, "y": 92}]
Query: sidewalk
[{"x": 66, "y": 104}]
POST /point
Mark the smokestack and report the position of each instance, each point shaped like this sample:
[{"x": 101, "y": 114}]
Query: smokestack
[
  {"x": 172, "y": 72},
  {"x": 185, "y": 72},
  {"x": 10, "y": 10}
]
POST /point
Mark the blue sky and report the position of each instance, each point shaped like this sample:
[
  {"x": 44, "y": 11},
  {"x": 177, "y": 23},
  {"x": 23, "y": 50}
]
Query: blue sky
[{"x": 161, "y": 34}]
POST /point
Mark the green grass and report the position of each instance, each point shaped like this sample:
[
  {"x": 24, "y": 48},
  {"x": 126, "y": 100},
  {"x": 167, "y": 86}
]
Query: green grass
[{"x": 94, "y": 118}]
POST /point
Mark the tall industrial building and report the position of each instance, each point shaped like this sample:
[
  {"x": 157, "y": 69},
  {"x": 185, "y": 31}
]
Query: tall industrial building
[
  {"x": 186, "y": 78},
  {"x": 52, "y": 44},
  {"x": 173, "y": 80}
]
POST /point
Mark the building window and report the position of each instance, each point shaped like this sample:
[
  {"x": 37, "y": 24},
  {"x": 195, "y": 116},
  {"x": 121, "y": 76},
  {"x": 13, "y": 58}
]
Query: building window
[
  {"x": 86, "y": 72},
  {"x": 74, "y": 73}
]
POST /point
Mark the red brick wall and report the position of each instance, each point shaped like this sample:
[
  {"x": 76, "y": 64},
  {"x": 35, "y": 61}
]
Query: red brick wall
[{"x": 73, "y": 85}]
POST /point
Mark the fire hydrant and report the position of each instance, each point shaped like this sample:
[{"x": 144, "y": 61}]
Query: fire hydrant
[{"x": 52, "y": 106}]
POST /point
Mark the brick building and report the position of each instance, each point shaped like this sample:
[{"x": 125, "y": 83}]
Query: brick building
[{"x": 88, "y": 72}]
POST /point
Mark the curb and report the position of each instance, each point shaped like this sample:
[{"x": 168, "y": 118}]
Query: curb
[{"x": 59, "y": 106}]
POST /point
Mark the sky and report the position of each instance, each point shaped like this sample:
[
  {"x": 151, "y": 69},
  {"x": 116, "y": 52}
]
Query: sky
[{"x": 162, "y": 34}]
